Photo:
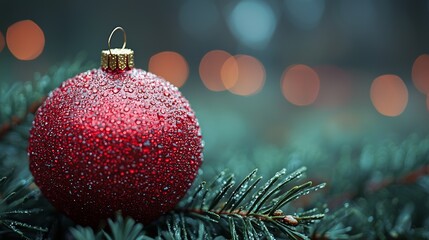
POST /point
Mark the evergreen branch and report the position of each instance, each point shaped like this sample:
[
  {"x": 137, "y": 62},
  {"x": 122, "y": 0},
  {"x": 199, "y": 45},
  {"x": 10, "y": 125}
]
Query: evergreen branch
[
  {"x": 227, "y": 185},
  {"x": 196, "y": 192},
  {"x": 15, "y": 198},
  {"x": 391, "y": 216},
  {"x": 120, "y": 229},
  {"x": 261, "y": 193},
  {"x": 245, "y": 193},
  {"x": 177, "y": 229},
  {"x": 230, "y": 202},
  {"x": 265, "y": 230},
  {"x": 20, "y": 99},
  {"x": 247, "y": 209},
  {"x": 296, "y": 174},
  {"x": 123, "y": 230},
  {"x": 232, "y": 229},
  {"x": 407, "y": 178},
  {"x": 81, "y": 233},
  {"x": 333, "y": 226}
]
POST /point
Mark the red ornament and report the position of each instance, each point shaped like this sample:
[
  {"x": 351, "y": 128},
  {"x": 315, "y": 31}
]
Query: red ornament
[{"x": 109, "y": 140}]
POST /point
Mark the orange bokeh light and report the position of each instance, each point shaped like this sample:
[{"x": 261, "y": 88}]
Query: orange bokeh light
[
  {"x": 243, "y": 75},
  {"x": 229, "y": 72},
  {"x": 389, "y": 95},
  {"x": 25, "y": 40},
  {"x": 210, "y": 69},
  {"x": 420, "y": 73},
  {"x": 300, "y": 85},
  {"x": 2, "y": 42},
  {"x": 170, "y": 65}
]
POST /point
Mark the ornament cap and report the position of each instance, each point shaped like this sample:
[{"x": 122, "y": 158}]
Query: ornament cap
[{"x": 117, "y": 59}]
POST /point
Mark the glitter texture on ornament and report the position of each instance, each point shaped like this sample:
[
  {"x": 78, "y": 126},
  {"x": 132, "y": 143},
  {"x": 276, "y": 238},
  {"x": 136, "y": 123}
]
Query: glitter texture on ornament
[{"x": 108, "y": 141}]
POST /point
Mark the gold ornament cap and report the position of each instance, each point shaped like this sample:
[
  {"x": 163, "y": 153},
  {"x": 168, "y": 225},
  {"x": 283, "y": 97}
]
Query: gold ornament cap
[{"x": 117, "y": 59}]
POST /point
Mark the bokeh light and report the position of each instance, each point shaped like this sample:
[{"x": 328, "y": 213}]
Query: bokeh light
[
  {"x": 420, "y": 73},
  {"x": 229, "y": 72},
  {"x": 170, "y": 65},
  {"x": 210, "y": 69},
  {"x": 2, "y": 41},
  {"x": 243, "y": 75},
  {"x": 25, "y": 40},
  {"x": 199, "y": 18},
  {"x": 305, "y": 14},
  {"x": 253, "y": 23},
  {"x": 389, "y": 95},
  {"x": 300, "y": 84}
]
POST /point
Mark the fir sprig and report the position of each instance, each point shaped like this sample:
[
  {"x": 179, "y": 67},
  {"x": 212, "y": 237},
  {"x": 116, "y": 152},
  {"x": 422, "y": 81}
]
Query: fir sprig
[
  {"x": 16, "y": 198},
  {"x": 20, "y": 98},
  {"x": 120, "y": 229},
  {"x": 250, "y": 209},
  {"x": 335, "y": 226}
]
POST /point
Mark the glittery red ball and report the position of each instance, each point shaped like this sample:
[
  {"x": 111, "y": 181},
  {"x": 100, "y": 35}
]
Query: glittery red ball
[{"x": 104, "y": 142}]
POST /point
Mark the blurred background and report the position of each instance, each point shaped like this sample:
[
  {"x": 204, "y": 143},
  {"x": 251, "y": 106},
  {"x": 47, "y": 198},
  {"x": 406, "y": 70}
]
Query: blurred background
[{"x": 308, "y": 75}]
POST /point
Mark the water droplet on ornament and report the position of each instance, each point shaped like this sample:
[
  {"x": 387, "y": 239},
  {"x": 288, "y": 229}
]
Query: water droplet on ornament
[
  {"x": 94, "y": 90},
  {"x": 146, "y": 143},
  {"x": 126, "y": 109},
  {"x": 138, "y": 122},
  {"x": 76, "y": 103},
  {"x": 115, "y": 90}
]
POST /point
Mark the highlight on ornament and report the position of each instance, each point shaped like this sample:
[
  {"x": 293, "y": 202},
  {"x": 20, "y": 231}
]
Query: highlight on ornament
[{"x": 116, "y": 138}]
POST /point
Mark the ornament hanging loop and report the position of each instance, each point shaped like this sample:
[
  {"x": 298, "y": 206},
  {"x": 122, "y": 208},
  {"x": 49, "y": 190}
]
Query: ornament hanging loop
[
  {"x": 117, "y": 59},
  {"x": 110, "y": 38}
]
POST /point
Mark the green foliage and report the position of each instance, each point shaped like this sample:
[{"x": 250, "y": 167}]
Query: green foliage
[
  {"x": 16, "y": 200},
  {"x": 250, "y": 208},
  {"x": 120, "y": 229},
  {"x": 18, "y": 98},
  {"x": 333, "y": 226},
  {"x": 82, "y": 233}
]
